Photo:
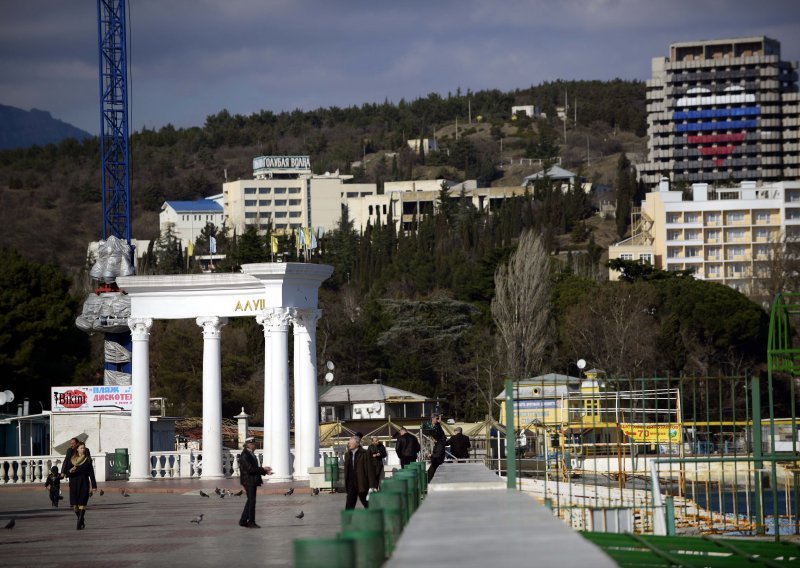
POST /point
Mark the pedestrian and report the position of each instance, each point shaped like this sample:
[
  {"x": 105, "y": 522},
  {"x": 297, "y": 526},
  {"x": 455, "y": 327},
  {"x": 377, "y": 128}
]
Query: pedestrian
[
  {"x": 53, "y": 483},
  {"x": 358, "y": 474},
  {"x": 82, "y": 483},
  {"x": 406, "y": 446},
  {"x": 459, "y": 445},
  {"x": 377, "y": 454},
  {"x": 73, "y": 447},
  {"x": 250, "y": 472},
  {"x": 439, "y": 441}
]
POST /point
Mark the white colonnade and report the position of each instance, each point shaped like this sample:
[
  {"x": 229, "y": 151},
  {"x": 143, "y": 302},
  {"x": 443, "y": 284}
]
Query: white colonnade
[{"x": 277, "y": 295}]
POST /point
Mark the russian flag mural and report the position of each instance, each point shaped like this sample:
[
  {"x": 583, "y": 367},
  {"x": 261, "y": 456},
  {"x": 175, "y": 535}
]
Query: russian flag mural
[{"x": 710, "y": 128}]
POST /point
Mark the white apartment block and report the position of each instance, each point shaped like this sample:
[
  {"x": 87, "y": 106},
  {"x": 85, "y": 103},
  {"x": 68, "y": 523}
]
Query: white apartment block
[
  {"x": 286, "y": 195},
  {"x": 409, "y": 202},
  {"x": 188, "y": 218},
  {"x": 723, "y": 109},
  {"x": 727, "y": 235}
]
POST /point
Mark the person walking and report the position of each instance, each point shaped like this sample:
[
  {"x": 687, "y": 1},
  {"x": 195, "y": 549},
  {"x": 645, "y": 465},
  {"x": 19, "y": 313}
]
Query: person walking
[
  {"x": 82, "y": 483},
  {"x": 66, "y": 465},
  {"x": 459, "y": 445},
  {"x": 406, "y": 446},
  {"x": 250, "y": 473},
  {"x": 439, "y": 441},
  {"x": 377, "y": 454},
  {"x": 53, "y": 483},
  {"x": 358, "y": 474}
]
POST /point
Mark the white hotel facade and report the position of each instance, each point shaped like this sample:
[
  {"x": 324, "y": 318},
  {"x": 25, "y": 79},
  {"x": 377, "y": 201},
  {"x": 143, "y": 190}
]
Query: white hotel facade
[{"x": 727, "y": 235}]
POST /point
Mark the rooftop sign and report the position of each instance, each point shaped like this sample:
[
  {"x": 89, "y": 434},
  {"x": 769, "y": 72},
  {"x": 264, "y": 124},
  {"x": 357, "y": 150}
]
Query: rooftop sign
[
  {"x": 281, "y": 163},
  {"x": 91, "y": 399}
]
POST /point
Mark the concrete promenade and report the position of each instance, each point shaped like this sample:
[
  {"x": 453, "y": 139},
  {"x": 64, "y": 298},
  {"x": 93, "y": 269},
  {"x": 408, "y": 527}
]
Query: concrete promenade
[{"x": 152, "y": 527}]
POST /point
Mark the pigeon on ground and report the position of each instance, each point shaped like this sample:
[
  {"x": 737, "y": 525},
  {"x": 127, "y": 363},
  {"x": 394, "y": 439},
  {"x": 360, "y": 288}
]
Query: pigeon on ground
[
  {"x": 239, "y": 493},
  {"x": 203, "y": 494},
  {"x": 102, "y": 493},
  {"x": 222, "y": 495},
  {"x": 291, "y": 490},
  {"x": 300, "y": 515},
  {"x": 125, "y": 493},
  {"x": 122, "y": 492},
  {"x": 217, "y": 490},
  {"x": 198, "y": 519},
  {"x": 10, "y": 524},
  {"x": 315, "y": 491}
]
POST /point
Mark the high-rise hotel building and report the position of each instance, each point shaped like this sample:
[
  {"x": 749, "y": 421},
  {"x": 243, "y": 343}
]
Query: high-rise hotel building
[{"x": 721, "y": 111}]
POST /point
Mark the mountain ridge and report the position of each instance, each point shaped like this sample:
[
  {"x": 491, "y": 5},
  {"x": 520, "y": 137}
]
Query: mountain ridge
[{"x": 21, "y": 129}]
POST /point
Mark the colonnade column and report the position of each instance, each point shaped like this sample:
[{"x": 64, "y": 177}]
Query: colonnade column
[
  {"x": 140, "y": 408},
  {"x": 212, "y": 396},
  {"x": 263, "y": 320},
  {"x": 276, "y": 399},
  {"x": 306, "y": 407}
]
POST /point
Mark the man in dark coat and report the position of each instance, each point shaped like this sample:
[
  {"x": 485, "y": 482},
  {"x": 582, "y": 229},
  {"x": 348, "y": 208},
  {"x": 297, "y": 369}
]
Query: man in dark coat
[
  {"x": 358, "y": 474},
  {"x": 459, "y": 445},
  {"x": 439, "y": 441},
  {"x": 377, "y": 454},
  {"x": 407, "y": 447},
  {"x": 250, "y": 472}
]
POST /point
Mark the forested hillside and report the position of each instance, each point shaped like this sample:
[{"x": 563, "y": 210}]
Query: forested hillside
[{"x": 411, "y": 310}]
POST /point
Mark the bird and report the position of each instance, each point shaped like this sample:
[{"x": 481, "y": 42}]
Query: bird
[
  {"x": 315, "y": 491},
  {"x": 125, "y": 493},
  {"x": 222, "y": 496},
  {"x": 10, "y": 524},
  {"x": 122, "y": 492},
  {"x": 239, "y": 493},
  {"x": 102, "y": 493},
  {"x": 217, "y": 490},
  {"x": 291, "y": 490},
  {"x": 198, "y": 519},
  {"x": 300, "y": 515},
  {"x": 203, "y": 494}
]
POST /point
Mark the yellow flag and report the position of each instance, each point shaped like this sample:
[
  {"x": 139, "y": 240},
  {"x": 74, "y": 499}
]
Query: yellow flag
[
  {"x": 190, "y": 249},
  {"x": 273, "y": 241}
]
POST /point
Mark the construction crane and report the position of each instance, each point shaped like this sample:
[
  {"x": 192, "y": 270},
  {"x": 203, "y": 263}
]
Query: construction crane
[{"x": 107, "y": 309}]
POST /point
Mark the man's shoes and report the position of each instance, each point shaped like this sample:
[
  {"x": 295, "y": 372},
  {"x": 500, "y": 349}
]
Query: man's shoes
[
  {"x": 242, "y": 524},
  {"x": 253, "y": 526}
]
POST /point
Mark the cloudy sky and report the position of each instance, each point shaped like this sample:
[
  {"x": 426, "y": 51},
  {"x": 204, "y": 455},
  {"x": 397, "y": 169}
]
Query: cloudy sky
[{"x": 192, "y": 58}]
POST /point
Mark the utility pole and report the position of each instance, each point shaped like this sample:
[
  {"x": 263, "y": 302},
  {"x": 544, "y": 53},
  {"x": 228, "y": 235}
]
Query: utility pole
[{"x": 469, "y": 110}]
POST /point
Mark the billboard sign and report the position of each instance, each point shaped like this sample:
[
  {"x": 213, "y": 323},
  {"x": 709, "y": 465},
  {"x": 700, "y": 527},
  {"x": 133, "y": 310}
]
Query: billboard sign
[
  {"x": 653, "y": 433},
  {"x": 91, "y": 399}
]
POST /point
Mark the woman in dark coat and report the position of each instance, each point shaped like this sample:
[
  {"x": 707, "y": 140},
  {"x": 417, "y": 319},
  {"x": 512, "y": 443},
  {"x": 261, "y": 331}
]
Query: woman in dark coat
[{"x": 81, "y": 483}]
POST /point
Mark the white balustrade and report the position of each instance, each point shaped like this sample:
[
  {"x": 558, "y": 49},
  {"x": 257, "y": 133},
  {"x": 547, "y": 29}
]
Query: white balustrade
[{"x": 182, "y": 464}]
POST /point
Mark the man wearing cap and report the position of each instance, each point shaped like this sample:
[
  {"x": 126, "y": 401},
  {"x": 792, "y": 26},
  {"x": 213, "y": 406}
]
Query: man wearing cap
[{"x": 250, "y": 472}]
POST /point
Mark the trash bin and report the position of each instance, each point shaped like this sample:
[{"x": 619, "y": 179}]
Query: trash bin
[
  {"x": 331, "y": 469},
  {"x": 120, "y": 465},
  {"x": 324, "y": 553},
  {"x": 392, "y": 500},
  {"x": 396, "y": 490},
  {"x": 411, "y": 477},
  {"x": 362, "y": 519},
  {"x": 370, "y": 551},
  {"x": 388, "y": 504}
]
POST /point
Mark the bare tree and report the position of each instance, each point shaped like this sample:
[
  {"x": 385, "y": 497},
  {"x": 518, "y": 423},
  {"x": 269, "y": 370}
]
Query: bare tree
[{"x": 521, "y": 307}]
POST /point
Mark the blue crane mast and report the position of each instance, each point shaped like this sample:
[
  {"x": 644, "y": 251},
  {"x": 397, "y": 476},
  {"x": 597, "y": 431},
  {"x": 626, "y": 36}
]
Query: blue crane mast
[
  {"x": 114, "y": 152},
  {"x": 107, "y": 309}
]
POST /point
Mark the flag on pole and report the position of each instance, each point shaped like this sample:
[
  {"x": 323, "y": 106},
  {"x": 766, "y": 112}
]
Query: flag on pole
[
  {"x": 301, "y": 235},
  {"x": 190, "y": 249},
  {"x": 311, "y": 240},
  {"x": 273, "y": 241},
  {"x": 212, "y": 245}
]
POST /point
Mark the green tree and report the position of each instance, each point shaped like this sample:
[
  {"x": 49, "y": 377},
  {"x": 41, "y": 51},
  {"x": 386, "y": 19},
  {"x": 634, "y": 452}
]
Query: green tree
[{"x": 40, "y": 346}]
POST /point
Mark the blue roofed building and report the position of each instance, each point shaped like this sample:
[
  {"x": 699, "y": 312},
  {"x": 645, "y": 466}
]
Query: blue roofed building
[{"x": 188, "y": 218}]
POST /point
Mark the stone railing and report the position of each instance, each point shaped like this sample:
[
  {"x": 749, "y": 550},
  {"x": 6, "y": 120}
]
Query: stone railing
[
  {"x": 182, "y": 464},
  {"x": 34, "y": 469}
]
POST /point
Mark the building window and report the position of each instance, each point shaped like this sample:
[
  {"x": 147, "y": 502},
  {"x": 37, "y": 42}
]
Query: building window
[
  {"x": 352, "y": 194},
  {"x": 384, "y": 209},
  {"x": 673, "y": 235},
  {"x": 249, "y": 202},
  {"x": 294, "y": 213},
  {"x": 691, "y": 218},
  {"x": 263, "y": 190},
  {"x": 249, "y": 190},
  {"x": 712, "y": 218},
  {"x": 280, "y": 214},
  {"x": 626, "y": 256},
  {"x": 250, "y": 215},
  {"x": 735, "y": 234},
  {"x": 280, "y": 190},
  {"x": 735, "y": 217},
  {"x": 646, "y": 258},
  {"x": 294, "y": 202},
  {"x": 280, "y": 203},
  {"x": 294, "y": 190},
  {"x": 693, "y": 235},
  {"x": 673, "y": 218},
  {"x": 370, "y": 210},
  {"x": 265, "y": 202},
  {"x": 762, "y": 216}
]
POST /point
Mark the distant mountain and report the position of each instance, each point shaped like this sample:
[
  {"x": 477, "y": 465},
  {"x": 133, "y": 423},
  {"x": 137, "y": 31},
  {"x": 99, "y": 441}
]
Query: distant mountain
[{"x": 20, "y": 128}]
